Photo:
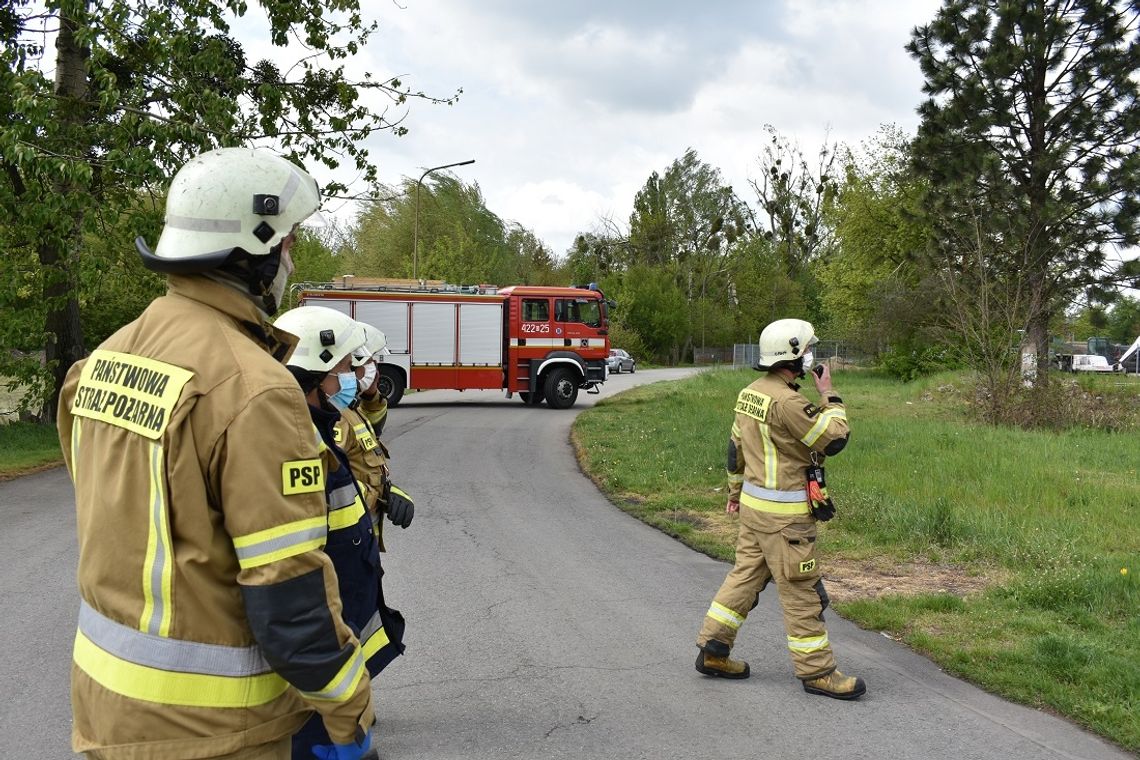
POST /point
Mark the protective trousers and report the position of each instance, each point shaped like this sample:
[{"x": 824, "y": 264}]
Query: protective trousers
[
  {"x": 276, "y": 750},
  {"x": 787, "y": 557}
]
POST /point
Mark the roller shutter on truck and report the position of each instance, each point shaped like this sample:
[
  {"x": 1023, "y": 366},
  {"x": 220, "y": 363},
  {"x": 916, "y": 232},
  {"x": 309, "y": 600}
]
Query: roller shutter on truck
[
  {"x": 391, "y": 318},
  {"x": 433, "y": 333},
  {"x": 481, "y": 334}
]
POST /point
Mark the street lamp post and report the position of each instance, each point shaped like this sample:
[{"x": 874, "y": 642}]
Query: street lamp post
[{"x": 416, "y": 231}]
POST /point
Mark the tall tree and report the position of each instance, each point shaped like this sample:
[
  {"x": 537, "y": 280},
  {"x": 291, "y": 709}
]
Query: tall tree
[
  {"x": 137, "y": 88},
  {"x": 460, "y": 239},
  {"x": 791, "y": 197},
  {"x": 686, "y": 222},
  {"x": 872, "y": 292},
  {"x": 1029, "y": 141}
]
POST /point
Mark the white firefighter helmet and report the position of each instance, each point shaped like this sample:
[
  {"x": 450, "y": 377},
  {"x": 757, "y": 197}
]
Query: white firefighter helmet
[
  {"x": 784, "y": 341},
  {"x": 375, "y": 346},
  {"x": 324, "y": 336},
  {"x": 230, "y": 198}
]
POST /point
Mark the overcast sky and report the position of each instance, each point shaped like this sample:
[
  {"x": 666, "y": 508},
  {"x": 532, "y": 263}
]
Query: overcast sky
[{"x": 568, "y": 107}]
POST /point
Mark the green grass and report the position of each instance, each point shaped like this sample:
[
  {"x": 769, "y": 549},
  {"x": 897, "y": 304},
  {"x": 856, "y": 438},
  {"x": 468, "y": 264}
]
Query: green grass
[
  {"x": 25, "y": 446},
  {"x": 1055, "y": 515}
]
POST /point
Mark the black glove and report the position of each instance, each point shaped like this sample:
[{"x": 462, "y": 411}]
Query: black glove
[{"x": 399, "y": 506}]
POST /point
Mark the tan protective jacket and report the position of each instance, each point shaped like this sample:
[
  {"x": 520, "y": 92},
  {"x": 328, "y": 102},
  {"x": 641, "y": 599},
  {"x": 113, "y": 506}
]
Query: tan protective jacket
[
  {"x": 368, "y": 459},
  {"x": 201, "y": 517},
  {"x": 774, "y": 434}
]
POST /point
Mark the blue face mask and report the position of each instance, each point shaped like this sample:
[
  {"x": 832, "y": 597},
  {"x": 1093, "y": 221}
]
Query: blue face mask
[{"x": 347, "y": 393}]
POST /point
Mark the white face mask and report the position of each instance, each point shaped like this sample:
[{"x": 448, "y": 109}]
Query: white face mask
[
  {"x": 809, "y": 360},
  {"x": 369, "y": 376}
]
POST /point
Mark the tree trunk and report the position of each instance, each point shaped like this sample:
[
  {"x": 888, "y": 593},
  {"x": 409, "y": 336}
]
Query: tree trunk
[
  {"x": 1037, "y": 336},
  {"x": 65, "y": 333},
  {"x": 57, "y": 252}
]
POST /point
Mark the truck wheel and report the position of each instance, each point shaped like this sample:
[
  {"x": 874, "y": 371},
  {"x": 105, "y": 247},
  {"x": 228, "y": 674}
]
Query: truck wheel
[
  {"x": 561, "y": 388},
  {"x": 530, "y": 399},
  {"x": 391, "y": 385}
]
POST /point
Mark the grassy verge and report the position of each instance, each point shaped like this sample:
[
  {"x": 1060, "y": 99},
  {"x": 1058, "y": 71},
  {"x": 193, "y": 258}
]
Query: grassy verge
[
  {"x": 26, "y": 447},
  {"x": 1035, "y": 536}
]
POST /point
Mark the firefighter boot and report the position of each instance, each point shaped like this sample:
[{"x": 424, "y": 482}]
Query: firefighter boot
[
  {"x": 836, "y": 685},
  {"x": 713, "y": 660}
]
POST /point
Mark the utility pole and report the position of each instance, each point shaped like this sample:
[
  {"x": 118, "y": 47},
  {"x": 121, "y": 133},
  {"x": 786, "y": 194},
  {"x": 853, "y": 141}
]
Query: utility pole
[{"x": 416, "y": 231}]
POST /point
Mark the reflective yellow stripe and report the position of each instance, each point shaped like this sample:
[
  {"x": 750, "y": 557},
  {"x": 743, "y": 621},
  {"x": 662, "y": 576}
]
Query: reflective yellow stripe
[
  {"x": 280, "y": 542},
  {"x": 775, "y": 507},
  {"x": 364, "y": 435},
  {"x": 734, "y": 478},
  {"x": 159, "y": 564},
  {"x": 374, "y": 643},
  {"x": 722, "y": 614},
  {"x": 735, "y": 430},
  {"x": 165, "y": 687},
  {"x": 75, "y": 432},
  {"x": 771, "y": 459},
  {"x": 821, "y": 424},
  {"x": 343, "y": 684},
  {"x": 346, "y": 517},
  {"x": 809, "y": 644}
]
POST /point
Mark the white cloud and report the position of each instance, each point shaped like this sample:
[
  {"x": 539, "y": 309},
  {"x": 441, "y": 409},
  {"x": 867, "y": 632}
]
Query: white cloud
[{"x": 567, "y": 108}]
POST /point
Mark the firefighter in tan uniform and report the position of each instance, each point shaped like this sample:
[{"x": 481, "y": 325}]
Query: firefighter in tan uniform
[
  {"x": 362, "y": 409},
  {"x": 775, "y": 456},
  {"x": 209, "y": 622}
]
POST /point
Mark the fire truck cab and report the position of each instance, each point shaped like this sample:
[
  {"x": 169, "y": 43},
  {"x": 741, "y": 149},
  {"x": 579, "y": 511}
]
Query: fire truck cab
[{"x": 543, "y": 343}]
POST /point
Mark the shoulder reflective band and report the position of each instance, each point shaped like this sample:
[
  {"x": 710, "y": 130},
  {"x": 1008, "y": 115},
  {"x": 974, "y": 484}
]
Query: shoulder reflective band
[
  {"x": 753, "y": 404},
  {"x": 364, "y": 435},
  {"x": 280, "y": 542},
  {"x": 821, "y": 425},
  {"x": 373, "y": 638},
  {"x": 130, "y": 392},
  {"x": 808, "y": 644},
  {"x": 725, "y": 616},
  {"x": 168, "y": 671},
  {"x": 343, "y": 684},
  {"x": 302, "y": 476}
]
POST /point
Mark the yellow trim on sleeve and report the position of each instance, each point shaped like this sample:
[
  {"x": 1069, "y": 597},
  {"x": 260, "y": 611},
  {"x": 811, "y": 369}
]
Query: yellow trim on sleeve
[{"x": 821, "y": 424}]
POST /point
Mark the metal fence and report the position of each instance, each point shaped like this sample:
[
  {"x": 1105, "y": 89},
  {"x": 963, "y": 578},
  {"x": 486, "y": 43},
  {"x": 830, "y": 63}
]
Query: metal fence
[{"x": 835, "y": 352}]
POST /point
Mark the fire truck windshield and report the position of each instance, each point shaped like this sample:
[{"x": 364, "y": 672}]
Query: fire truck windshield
[{"x": 581, "y": 310}]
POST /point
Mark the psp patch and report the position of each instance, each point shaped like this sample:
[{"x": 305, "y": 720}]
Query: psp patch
[
  {"x": 364, "y": 435},
  {"x": 302, "y": 476},
  {"x": 807, "y": 566},
  {"x": 811, "y": 410},
  {"x": 338, "y": 435}
]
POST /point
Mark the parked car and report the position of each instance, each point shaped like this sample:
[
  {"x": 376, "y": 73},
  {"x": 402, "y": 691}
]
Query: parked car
[
  {"x": 1083, "y": 363},
  {"x": 620, "y": 361}
]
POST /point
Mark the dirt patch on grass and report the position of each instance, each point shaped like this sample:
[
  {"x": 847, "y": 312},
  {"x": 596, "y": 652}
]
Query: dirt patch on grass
[
  {"x": 30, "y": 470},
  {"x": 719, "y": 526},
  {"x": 849, "y": 580}
]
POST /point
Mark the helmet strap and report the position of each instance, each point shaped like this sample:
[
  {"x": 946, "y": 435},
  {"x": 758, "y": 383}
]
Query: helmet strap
[
  {"x": 259, "y": 274},
  {"x": 306, "y": 378}
]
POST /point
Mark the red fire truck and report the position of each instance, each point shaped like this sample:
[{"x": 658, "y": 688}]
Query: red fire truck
[{"x": 543, "y": 343}]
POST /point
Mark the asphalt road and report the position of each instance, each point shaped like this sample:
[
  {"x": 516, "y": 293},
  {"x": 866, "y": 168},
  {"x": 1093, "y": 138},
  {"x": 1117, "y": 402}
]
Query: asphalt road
[{"x": 542, "y": 623}]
